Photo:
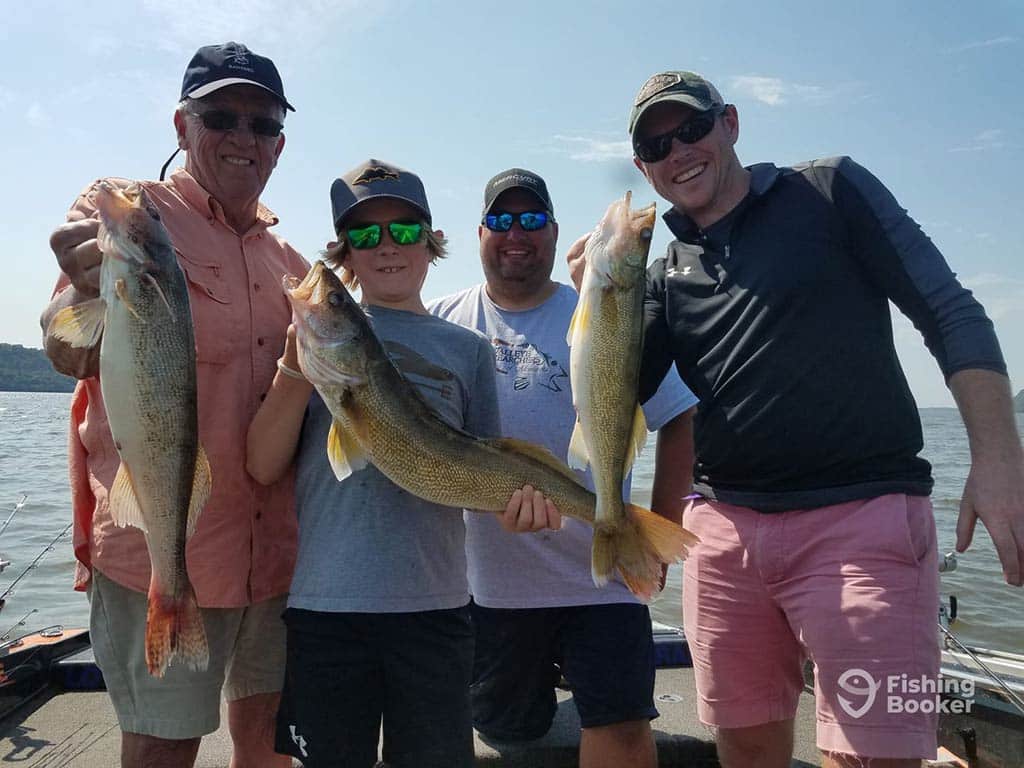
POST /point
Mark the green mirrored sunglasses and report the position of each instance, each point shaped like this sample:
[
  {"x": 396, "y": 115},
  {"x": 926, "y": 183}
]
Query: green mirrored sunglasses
[{"x": 368, "y": 236}]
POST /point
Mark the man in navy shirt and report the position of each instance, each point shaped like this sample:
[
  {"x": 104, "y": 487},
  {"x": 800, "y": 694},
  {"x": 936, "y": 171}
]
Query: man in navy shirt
[{"x": 818, "y": 539}]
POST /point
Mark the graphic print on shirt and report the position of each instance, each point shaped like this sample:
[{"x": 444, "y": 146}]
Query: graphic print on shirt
[
  {"x": 420, "y": 371},
  {"x": 529, "y": 365}
]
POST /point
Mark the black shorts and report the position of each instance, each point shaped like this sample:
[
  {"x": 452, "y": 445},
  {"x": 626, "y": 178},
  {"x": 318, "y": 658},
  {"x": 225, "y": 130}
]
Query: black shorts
[
  {"x": 347, "y": 672},
  {"x": 605, "y": 653}
]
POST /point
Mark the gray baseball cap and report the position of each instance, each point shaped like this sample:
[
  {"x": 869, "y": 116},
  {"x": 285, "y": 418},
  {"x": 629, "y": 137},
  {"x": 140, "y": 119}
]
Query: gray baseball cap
[
  {"x": 687, "y": 88},
  {"x": 517, "y": 178},
  {"x": 375, "y": 178}
]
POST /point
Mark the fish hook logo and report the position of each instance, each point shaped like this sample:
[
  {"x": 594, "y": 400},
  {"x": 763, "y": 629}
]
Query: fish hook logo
[
  {"x": 850, "y": 681},
  {"x": 299, "y": 740}
]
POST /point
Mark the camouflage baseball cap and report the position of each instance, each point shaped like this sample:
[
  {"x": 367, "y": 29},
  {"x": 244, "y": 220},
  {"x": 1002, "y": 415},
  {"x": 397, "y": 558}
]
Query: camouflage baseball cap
[{"x": 687, "y": 88}]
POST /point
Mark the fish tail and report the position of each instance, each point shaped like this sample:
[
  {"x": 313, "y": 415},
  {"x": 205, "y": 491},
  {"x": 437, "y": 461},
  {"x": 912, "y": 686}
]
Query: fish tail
[
  {"x": 174, "y": 628},
  {"x": 637, "y": 547}
]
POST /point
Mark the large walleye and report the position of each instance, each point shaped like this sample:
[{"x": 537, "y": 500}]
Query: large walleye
[
  {"x": 148, "y": 380},
  {"x": 379, "y": 417},
  {"x": 605, "y": 339}
]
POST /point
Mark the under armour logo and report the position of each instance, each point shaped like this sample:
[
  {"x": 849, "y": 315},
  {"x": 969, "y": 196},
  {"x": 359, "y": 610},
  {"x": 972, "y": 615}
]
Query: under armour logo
[{"x": 300, "y": 742}]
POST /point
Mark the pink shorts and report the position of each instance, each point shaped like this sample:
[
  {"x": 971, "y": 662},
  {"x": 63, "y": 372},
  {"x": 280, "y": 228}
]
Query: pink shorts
[{"x": 853, "y": 587}]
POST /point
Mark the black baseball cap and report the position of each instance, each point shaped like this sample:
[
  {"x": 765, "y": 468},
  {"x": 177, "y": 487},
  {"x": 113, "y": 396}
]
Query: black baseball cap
[
  {"x": 517, "y": 178},
  {"x": 217, "y": 66},
  {"x": 689, "y": 88},
  {"x": 375, "y": 178}
]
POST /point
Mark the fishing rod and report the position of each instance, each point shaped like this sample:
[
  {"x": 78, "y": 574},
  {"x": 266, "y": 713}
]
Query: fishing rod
[
  {"x": 1017, "y": 701},
  {"x": 16, "y": 510},
  {"x": 48, "y": 548},
  {"x": 19, "y": 623}
]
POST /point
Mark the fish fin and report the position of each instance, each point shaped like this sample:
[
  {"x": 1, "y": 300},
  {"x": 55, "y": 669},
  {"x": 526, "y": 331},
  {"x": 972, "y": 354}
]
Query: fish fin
[
  {"x": 123, "y": 503},
  {"x": 202, "y": 482},
  {"x": 636, "y": 441},
  {"x": 535, "y": 452},
  {"x": 174, "y": 629},
  {"x": 344, "y": 452},
  {"x": 637, "y": 548},
  {"x": 80, "y": 325},
  {"x": 122, "y": 293},
  {"x": 159, "y": 292},
  {"x": 579, "y": 456},
  {"x": 580, "y": 318}
]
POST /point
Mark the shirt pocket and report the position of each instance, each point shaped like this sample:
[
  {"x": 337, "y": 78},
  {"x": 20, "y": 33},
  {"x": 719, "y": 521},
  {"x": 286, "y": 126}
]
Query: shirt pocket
[{"x": 213, "y": 314}]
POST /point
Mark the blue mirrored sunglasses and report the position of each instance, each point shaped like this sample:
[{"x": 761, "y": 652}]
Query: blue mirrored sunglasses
[{"x": 529, "y": 221}]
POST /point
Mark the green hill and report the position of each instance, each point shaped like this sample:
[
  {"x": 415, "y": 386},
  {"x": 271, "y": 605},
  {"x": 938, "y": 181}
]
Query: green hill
[
  {"x": 1018, "y": 402},
  {"x": 23, "y": 369}
]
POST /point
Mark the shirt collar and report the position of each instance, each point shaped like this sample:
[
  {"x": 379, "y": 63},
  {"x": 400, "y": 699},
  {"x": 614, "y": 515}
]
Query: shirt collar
[
  {"x": 762, "y": 178},
  {"x": 201, "y": 200}
]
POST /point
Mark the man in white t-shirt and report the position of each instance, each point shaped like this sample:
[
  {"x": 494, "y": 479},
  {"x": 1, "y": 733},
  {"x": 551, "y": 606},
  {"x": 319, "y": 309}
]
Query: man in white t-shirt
[{"x": 537, "y": 613}]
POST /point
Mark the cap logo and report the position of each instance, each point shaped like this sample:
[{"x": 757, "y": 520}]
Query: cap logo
[
  {"x": 239, "y": 60},
  {"x": 515, "y": 178},
  {"x": 656, "y": 84},
  {"x": 376, "y": 173}
]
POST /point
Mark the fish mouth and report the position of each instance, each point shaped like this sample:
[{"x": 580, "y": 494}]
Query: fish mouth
[{"x": 301, "y": 290}]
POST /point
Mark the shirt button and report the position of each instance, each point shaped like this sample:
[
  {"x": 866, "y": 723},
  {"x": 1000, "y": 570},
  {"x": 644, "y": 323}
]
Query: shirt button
[
  {"x": 258, "y": 514},
  {"x": 259, "y": 341},
  {"x": 263, "y": 397},
  {"x": 255, "y": 286}
]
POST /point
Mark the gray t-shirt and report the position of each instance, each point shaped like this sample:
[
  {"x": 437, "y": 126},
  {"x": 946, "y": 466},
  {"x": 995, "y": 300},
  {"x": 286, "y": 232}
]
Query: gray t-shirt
[
  {"x": 546, "y": 568},
  {"x": 366, "y": 545}
]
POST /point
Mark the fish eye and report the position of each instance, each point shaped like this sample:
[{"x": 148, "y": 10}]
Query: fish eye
[{"x": 334, "y": 299}]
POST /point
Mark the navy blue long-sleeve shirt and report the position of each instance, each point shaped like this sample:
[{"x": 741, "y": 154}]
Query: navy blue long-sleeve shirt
[{"x": 777, "y": 318}]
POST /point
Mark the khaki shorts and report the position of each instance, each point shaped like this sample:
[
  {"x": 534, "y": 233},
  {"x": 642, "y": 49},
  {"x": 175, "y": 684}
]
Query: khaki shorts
[{"x": 247, "y": 652}]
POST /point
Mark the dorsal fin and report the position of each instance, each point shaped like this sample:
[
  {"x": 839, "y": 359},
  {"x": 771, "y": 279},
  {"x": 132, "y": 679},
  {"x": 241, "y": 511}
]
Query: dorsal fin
[{"x": 536, "y": 452}]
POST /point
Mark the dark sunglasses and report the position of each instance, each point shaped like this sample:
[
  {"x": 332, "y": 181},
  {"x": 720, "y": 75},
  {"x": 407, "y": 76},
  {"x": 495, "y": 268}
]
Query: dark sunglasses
[
  {"x": 402, "y": 232},
  {"x": 655, "y": 148},
  {"x": 225, "y": 120},
  {"x": 530, "y": 221}
]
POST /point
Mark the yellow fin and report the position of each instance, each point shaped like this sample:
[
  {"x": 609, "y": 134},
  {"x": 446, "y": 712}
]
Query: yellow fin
[
  {"x": 636, "y": 441},
  {"x": 344, "y": 452},
  {"x": 580, "y": 318},
  {"x": 670, "y": 541},
  {"x": 80, "y": 325},
  {"x": 579, "y": 456},
  {"x": 202, "y": 482},
  {"x": 121, "y": 290},
  {"x": 124, "y": 504},
  {"x": 534, "y": 451}
]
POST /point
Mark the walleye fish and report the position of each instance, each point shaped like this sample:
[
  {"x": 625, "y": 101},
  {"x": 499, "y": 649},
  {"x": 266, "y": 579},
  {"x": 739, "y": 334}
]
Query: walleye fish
[
  {"x": 148, "y": 380},
  {"x": 379, "y": 417},
  {"x": 605, "y": 339}
]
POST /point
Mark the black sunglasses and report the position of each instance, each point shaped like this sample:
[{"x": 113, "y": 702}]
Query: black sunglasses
[
  {"x": 690, "y": 131},
  {"x": 226, "y": 120},
  {"x": 529, "y": 221}
]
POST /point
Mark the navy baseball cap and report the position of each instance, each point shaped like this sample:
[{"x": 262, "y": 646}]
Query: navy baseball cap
[
  {"x": 689, "y": 88},
  {"x": 217, "y": 66},
  {"x": 375, "y": 178},
  {"x": 517, "y": 178}
]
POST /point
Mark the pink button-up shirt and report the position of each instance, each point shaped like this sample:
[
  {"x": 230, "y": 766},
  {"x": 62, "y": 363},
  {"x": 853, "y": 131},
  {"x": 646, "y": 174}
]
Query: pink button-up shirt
[{"x": 243, "y": 549}]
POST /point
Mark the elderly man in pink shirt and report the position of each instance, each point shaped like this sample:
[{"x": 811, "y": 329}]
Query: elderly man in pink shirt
[{"x": 240, "y": 559}]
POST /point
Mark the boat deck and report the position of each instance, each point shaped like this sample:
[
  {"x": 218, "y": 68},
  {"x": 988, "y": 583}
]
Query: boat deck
[{"x": 77, "y": 729}]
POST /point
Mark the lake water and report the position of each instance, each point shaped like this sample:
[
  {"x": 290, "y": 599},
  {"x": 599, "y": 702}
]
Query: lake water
[{"x": 33, "y": 439}]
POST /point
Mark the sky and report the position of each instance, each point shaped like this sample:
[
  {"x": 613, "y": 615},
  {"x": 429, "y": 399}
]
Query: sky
[{"x": 924, "y": 94}]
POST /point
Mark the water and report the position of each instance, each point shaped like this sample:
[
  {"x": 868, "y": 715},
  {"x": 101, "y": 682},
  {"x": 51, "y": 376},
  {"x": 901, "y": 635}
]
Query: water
[{"x": 33, "y": 439}]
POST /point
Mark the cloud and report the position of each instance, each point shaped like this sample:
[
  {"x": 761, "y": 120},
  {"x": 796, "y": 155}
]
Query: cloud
[
  {"x": 992, "y": 138},
  {"x": 1003, "y": 296},
  {"x": 6, "y": 98},
  {"x": 592, "y": 150},
  {"x": 991, "y": 43},
  {"x": 37, "y": 116},
  {"x": 774, "y": 91}
]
